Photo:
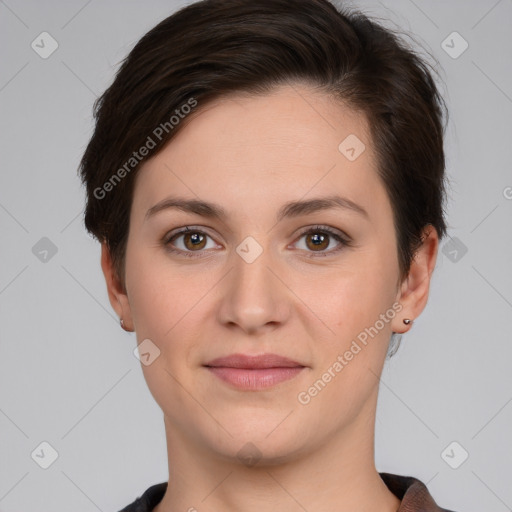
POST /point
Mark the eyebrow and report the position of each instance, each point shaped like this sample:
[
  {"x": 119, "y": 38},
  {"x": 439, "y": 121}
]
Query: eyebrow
[{"x": 288, "y": 210}]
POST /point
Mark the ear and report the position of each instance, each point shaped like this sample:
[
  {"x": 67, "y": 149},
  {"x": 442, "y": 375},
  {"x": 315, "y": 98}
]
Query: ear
[
  {"x": 414, "y": 290},
  {"x": 116, "y": 293}
]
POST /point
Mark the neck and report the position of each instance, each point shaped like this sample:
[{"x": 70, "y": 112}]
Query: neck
[{"x": 339, "y": 475}]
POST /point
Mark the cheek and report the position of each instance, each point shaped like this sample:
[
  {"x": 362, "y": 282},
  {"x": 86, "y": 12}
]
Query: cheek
[
  {"x": 348, "y": 361},
  {"x": 159, "y": 294},
  {"x": 164, "y": 306},
  {"x": 348, "y": 298},
  {"x": 167, "y": 306},
  {"x": 351, "y": 303}
]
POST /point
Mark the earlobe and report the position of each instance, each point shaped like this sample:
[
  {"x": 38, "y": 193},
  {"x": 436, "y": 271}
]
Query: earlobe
[
  {"x": 415, "y": 288},
  {"x": 116, "y": 293}
]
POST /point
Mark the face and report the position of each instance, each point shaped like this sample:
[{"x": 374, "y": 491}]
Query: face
[{"x": 293, "y": 253}]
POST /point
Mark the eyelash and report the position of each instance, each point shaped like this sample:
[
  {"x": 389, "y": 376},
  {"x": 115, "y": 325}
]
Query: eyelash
[{"x": 344, "y": 241}]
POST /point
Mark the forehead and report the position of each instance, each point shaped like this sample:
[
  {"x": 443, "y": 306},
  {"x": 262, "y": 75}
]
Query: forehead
[
  {"x": 258, "y": 151},
  {"x": 290, "y": 116}
]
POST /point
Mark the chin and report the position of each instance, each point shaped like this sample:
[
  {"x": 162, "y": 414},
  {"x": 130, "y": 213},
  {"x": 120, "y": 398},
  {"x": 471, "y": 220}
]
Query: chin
[
  {"x": 263, "y": 442},
  {"x": 257, "y": 453}
]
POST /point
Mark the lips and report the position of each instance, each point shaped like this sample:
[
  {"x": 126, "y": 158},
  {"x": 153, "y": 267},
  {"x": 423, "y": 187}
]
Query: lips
[
  {"x": 253, "y": 362},
  {"x": 254, "y": 373}
]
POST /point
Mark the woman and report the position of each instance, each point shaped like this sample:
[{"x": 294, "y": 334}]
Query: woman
[{"x": 267, "y": 182}]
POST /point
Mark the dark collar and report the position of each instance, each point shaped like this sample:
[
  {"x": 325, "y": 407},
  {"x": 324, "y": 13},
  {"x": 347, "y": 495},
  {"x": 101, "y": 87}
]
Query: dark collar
[{"x": 412, "y": 493}]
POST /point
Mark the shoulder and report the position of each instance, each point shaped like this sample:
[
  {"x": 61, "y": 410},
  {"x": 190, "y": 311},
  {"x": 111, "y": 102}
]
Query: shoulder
[
  {"x": 412, "y": 492},
  {"x": 149, "y": 500}
]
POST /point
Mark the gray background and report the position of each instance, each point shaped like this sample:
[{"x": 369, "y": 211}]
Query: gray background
[{"x": 67, "y": 372}]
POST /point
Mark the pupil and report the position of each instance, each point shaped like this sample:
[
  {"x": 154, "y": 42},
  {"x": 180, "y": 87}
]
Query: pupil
[{"x": 318, "y": 238}]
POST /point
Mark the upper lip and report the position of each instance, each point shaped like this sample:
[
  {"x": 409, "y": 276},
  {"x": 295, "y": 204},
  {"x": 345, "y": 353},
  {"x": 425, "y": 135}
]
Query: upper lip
[{"x": 253, "y": 362}]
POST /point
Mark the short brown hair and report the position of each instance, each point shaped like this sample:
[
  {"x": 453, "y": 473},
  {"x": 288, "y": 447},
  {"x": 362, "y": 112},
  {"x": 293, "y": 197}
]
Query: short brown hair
[{"x": 211, "y": 48}]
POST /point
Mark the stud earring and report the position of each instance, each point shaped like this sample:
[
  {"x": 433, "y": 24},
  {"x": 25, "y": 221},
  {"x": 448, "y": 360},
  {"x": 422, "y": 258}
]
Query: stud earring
[{"x": 407, "y": 321}]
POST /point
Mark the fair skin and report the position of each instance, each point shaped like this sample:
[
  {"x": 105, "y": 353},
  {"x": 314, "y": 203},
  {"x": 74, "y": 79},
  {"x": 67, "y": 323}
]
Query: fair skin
[{"x": 250, "y": 155}]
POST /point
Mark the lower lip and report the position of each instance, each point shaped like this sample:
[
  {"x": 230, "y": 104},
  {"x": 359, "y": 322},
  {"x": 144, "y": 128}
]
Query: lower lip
[{"x": 254, "y": 379}]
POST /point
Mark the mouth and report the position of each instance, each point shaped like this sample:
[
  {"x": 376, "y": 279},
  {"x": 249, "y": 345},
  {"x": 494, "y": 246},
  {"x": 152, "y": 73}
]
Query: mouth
[{"x": 254, "y": 372}]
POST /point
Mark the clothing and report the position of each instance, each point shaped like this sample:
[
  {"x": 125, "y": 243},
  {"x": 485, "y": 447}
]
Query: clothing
[{"x": 413, "y": 493}]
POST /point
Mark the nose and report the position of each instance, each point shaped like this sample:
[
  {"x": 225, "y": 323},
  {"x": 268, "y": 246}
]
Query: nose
[{"x": 254, "y": 297}]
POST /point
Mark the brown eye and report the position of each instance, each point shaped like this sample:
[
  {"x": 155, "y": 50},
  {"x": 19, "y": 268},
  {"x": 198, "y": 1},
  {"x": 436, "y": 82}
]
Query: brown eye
[
  {"x": 189, "y": 242},
  {"x": 194, "y": 240},
  {"x": 322, "y": 240},
  {"x": 317, "y": 241}
]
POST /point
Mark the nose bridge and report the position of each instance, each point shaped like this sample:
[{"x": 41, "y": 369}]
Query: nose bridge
[{"x": 253, "y": 297}]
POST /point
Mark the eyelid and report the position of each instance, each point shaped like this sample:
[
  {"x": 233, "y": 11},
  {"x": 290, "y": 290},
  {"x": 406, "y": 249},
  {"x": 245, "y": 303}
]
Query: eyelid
[
  {"x": 186, "y": 229},
  {"x": 326, "y": 229}
]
